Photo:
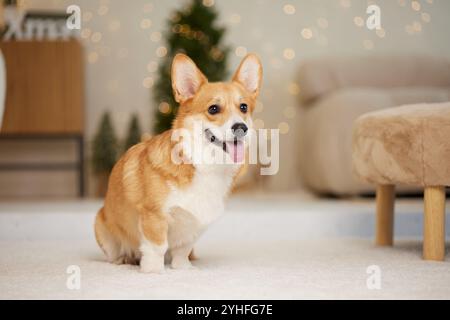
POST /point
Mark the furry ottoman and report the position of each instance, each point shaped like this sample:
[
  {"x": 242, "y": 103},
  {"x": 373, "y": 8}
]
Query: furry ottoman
[{"x": 408, "y": 145}]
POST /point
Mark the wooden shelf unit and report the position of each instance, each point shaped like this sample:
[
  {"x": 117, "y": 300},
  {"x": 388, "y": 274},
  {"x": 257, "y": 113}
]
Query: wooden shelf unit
[{"x": 44, "y": 97}]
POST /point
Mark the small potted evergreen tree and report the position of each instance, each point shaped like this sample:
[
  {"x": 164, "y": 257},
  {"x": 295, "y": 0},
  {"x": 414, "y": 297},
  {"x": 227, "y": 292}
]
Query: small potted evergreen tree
[
  {"x": 104, "y": 153},
  {"x": 134, "y": 133}
]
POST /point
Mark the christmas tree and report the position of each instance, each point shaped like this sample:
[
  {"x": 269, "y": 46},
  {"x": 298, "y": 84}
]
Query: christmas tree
[
  {"x": 134, "y": 133},
  {"x": 104, "y": 153},
  {"x": 192, "y": 31},
  {"x": 10, "y": 2}
]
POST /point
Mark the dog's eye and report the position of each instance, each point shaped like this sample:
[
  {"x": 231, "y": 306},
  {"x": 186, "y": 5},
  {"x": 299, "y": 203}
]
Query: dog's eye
[
  {"x": 213, "y": 109},
  {"x": 243, "y": 107}
]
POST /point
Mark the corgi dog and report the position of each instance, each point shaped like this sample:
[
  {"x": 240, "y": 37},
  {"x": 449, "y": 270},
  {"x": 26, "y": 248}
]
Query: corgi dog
[{"x": 156, "y": 207}]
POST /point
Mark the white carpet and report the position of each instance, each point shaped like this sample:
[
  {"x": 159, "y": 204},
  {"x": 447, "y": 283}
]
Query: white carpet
[{"x": 263, "y": 248}]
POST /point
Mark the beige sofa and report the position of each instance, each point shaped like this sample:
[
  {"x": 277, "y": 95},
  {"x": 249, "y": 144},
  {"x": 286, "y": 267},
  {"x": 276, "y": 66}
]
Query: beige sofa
[{"x": 336, "y": 91}]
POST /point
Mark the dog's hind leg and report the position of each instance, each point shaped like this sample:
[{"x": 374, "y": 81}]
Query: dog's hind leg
[
  {"x": 153, "y": 228},
  {"x": 106, "y": 240}
]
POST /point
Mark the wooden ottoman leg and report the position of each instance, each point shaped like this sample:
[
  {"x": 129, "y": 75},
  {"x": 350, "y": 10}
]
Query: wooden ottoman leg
[
  {"x": 385, "y": 215},
  {"x": 434, "y": 224}
]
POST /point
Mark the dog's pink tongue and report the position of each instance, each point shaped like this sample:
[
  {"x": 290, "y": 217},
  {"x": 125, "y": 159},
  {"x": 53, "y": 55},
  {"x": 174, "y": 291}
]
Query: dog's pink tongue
[{"x": 236, "y": 151}]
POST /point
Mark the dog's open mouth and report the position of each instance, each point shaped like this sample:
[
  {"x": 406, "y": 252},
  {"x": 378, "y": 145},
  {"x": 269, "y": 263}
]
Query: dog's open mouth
[{"x": 234, "y": 148}]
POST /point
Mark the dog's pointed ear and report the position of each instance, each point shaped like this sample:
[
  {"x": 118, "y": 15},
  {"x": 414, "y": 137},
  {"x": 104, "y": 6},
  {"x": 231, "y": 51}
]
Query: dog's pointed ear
[
  {"x": 186, "y": 78},
  {"x": 249, "y": 74}
]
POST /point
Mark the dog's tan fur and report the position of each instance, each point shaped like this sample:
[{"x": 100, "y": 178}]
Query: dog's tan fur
[{"x": 141, "y": 180}]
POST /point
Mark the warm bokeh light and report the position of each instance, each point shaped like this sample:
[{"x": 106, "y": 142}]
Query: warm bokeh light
[
  {"x": 289, "y": 54},
  {"x": 152, "y": 66},
  {"x": 416, "y": 6},
  {"x": 161, "y": 51},
  {"x": 146, "y": 23},
  {"x": 289, "y": 112},
  {"x": 258, "y": 124},
  {"x": 148, "y": 82},
  {"x": 293, "y": 89},
  {"x": 102, "y": 10},
  {"x": 240, "y": 51},
  {"x": 208, "y": 3},
  {"x": 155, "y": 36},
  {"x": 307, "y": 33},
  {"x": 93, "y": 57},
  {"x": 381, "y": 33},
  {"x": 425, "y": 17},
  {"x": 284, "y": 127},
  {"x": 86, "y": 33},
  {"x": 235, "y": 18},
  {"x": 164, "y": 107},
  {"x": 289, "y": 9},
  {"x": 96, "y": 37},
  {"x": 358, "y": 21}
]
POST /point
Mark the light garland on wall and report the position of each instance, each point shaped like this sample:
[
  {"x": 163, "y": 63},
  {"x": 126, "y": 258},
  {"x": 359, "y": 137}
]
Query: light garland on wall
[{"x": 312, "y": 33}]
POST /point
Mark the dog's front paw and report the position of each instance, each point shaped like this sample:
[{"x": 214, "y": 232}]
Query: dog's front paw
[
  {"x": 152, "y": 266},
  {"x": 181, "y": 264}
]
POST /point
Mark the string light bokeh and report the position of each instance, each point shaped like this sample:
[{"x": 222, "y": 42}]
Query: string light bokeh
[{"x": 125, "y": 42}]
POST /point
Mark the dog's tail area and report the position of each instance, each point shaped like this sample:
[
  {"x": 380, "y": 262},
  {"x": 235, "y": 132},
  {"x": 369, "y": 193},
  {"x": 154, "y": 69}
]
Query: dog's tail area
[{"x": 105, "y": 239}]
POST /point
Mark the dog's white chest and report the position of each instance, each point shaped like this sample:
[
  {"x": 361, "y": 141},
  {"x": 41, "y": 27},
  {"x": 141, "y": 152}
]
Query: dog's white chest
[{"x": 193, "y": 208}]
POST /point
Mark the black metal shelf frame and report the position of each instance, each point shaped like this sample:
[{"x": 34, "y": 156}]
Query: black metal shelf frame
[{"x": 78, "y": 165}]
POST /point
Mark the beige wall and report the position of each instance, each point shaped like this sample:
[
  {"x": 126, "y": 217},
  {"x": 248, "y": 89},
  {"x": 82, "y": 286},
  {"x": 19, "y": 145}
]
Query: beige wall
[{"x": 115, "y": 79}]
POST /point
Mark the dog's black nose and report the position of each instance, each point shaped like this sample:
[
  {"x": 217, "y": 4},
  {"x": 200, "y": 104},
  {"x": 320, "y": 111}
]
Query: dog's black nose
[{"x": 239, "y": 129}]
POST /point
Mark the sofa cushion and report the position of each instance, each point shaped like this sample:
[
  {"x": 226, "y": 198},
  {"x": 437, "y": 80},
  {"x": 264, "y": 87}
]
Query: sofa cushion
[
  {"x": 414, "y": 95},
  {"x": 321, "y": 76}
]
